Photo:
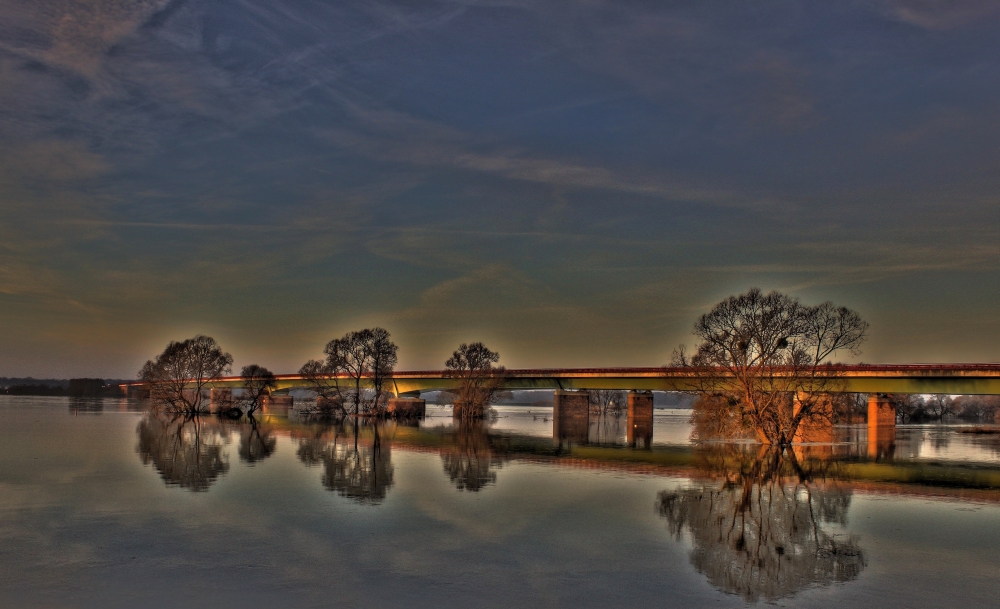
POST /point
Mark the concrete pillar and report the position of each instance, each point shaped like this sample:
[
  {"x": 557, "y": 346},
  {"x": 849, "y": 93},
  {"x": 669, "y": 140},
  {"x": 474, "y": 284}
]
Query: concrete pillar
[
  {"x": 220, "y": 399},
  {"x": 277, "y": 404},
  {"x": 407, "y": 408},
  {"x": 640, "y": 418},
  {"x": 140, "y": 392},
  {"x": 881, "y": 426},
  {"x": 571, "y": 416},
  {"x": 817, "y": 428}
]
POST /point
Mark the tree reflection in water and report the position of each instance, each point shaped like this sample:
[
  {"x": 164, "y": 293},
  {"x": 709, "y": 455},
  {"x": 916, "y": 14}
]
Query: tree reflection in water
[
  {"x": 186, "y": 450},
  {"x": 256, "y": 441},
  {"x": 356, "y": 467},
  {"x": 757, "y": 528},
  {"x": 472, "y": 457}
]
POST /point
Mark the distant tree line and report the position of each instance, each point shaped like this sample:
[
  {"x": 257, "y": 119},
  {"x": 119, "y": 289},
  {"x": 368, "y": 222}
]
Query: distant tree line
[
  {"x": 81, "y": 387},
  {"x": 938, "y": 408}
]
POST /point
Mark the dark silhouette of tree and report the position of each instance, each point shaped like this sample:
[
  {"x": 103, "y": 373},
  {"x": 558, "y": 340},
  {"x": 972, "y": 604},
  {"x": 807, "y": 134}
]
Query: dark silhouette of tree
[
  {"x": 364, "y": 361},
  {"x": 186, "y": 450},
  {"x": 257, "y": 384},
  {"x": 759, "y": 532},
  {"x": 177, "y": 377},
  {"x": 977, "y": 407},
  {"x": 324, "y": 380},
  {"x": 608, "y": 401},
  {"x": 256, "y": 441},
  {"x": 479, "y": 381},
  {"x": 471, "y": 460},
  {"x": 939, "y": 406},
  {"x": 772, "y": 352}
]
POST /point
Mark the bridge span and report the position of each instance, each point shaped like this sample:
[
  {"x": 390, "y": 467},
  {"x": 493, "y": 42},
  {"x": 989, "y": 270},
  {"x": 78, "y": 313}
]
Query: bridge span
[{"x": 955, "y": 379}]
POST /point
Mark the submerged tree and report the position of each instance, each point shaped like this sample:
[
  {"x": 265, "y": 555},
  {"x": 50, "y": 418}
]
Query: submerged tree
[
  {"x": 258, "y": 382},
  {"x": 762, "y": 364},
  {"x": 364, "y": 361},
  {"x": 608, "y": 401},
  {"x": 177, "y": 377},
  {"x": 479, "y": 381},
  {"x": 763, "y": 530}
]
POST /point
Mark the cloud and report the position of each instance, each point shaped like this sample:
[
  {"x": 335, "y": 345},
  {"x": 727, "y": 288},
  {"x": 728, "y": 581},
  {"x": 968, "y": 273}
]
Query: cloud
[
  {"x": 394, "y": 136},
  {"x": 79, "y": 33},
  {"x": 942, "y": 14}
]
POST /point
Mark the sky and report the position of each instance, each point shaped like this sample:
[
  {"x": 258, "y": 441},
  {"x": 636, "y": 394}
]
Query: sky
[{"x": 571, "y": 182}]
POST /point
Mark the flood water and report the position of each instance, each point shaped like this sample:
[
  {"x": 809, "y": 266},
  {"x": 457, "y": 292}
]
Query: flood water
[{"x": 105, "y": 505}]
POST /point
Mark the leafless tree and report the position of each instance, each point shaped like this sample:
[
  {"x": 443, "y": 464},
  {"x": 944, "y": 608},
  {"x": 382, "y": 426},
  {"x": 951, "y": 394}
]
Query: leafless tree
[
  {"x": 177, "y": 377},
  {"x": 763, "y": 361},
  {"x": 977, "y": 407},
  {"x": 608, "y": 401},
  {"x": 257, "y": 384},
  {"x": 479, "y": 381},
  {"x": 908, "y": 407},
  {"x": 939, "y": 406},
  {"x": 366, "y": 360}
]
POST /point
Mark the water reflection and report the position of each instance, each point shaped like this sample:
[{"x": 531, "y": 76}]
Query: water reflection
[
  {"x": 86, "y": 405},
  {"x": 187, "y": 451},
  {"x": 257, "y": 441},
  {"x": 471, "y": 459},
  {"x": 356, "y": 460},
  {"x": 761, "y": 527}
]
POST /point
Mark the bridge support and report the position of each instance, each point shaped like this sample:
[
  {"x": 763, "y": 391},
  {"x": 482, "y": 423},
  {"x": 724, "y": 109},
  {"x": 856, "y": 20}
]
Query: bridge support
[
  {"x": 640, "y": 419},
  {"x": 881, "y": 426},
  {"x": 817, "y": 428},
  {"x": 139, "y": 392},
  {"x": 407, "y": 408},
  {"x": 571, "y": 416},
  {"x": 277, "y": 404}
]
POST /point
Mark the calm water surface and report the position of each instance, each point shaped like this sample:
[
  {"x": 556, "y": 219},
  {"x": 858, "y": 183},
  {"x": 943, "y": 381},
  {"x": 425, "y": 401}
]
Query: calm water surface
[{"x": 103, "y": 505}]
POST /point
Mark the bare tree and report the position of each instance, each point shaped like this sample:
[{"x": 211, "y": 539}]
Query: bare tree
[
  {"x": 324, "y": 380},
  {"x": 608, "y": 401},
  {"x": 366, "y": 359},
  {"x": 977, "y": 407},
  {"x": 257, "y": 383},
  {"x": 939, "y": 406},
  {"x": 479, "y": 382},
  {"x": 763, "y": 361},
  {"x": 177, "y": 377}
]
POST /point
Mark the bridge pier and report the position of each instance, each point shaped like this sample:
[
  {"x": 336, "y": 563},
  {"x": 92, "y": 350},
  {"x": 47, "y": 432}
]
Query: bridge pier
[
  {"x": 881, "y": 425},
  {"x": 640, "y": 419},
  {"x": 571, "y": 416},
  {"x": 277, "y": 404},
  {"x": 407, "y": 408},
  {"x": 818, "y": 427}
]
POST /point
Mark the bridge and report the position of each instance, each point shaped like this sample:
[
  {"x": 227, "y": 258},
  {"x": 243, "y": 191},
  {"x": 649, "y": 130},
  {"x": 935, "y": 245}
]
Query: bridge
[
  {"x": 571, "y": 404},
  {"x": 954, "y": 379}
]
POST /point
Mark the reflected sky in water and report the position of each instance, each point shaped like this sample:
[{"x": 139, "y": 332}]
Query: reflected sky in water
[{"x": 103, "y": 507}]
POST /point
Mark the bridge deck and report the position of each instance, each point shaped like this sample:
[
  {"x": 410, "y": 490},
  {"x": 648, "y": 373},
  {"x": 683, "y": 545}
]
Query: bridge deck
[{"x": 968, "y": 379}]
